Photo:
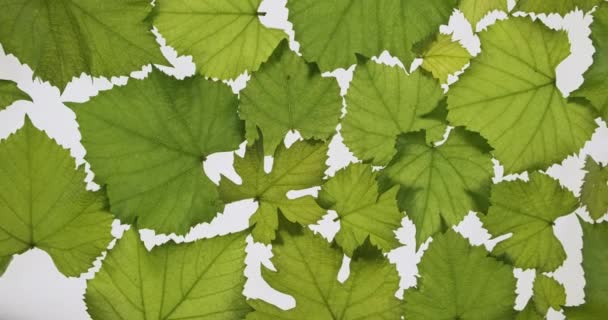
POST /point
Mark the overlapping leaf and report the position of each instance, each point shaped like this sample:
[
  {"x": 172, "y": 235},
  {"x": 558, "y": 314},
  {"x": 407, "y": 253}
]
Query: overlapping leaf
[
  {"x": 225, "y": 38},
  {"x": 146, "y": 142},
  {"x": 300, "y": 167},
  {"x": 508, "y": 94},
  {"x": 444, "y": 57},
  {"x": 200, "y": 280},
  {"x": 9, "y": 93},
  {"x": 289, "y": 94},
  {"x": 548, "y": 293},
  {"x": 458, "y": 281},
  {"x": 60, "y": 40},
  {"x": 555, "y": 6},
  {"x": 594, "y": 193},
  {"x": 475, "y": 10},
  {"x": 44, "y": 204}
]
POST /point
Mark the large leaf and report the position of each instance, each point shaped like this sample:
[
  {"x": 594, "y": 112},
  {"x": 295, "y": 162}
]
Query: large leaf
[
  {"x": 9, "y": 93},
  {"x": 383, "y": 102},
  {"x": 529, "y": 313},
  {"x": 595, "y": 264},
  {"x": 458, "y": 281},
  {"x": 528, "y": 211},
  {"x": 508, "y": 94},
  {"x": 307, "y": 268},
  {"x": 225, "y": 38},
  {"x": 44, "y": 204},
  {"x": 475, "y": 10},
  {"x": 60, "y": 40},
  {"x": 440, "y": 185},
  {"x": 595, "y": 87},
  {"x": 200, "y": 280},
  {"x": 289, "y": 94},
  {"x": 555, "y": 6},
  {"x": 331, "y": 32},
  {"x": 444, "y": 57},
  {"x": 548, "y": 293},
  {"x": 594, "y": 193},
  {"x": 146, "y": 142},
  {"x": 301, "y": 166},
  {"x": 362, "y": 211}
]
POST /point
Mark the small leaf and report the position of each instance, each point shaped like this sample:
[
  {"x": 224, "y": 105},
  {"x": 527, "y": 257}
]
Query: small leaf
[
  {"x": 555, "y": 6},
  {"x": 528, "y": 210},
  {"x": 44, "y": 204},
  {"x": 548, "y": 293},
  {"x": 444, "y": 57},
  {"x": 529, "y": 313},
  {"x": 9, "y": 93},
  {"x": 146, "y": 142},
  {"x": 475, "y": 10},
  {"x": 363, "y": 212},
  {"x": 458, "y": 281},
  {"x": 594, "y": 193},
  {"x": 307, "y": 269},
  {"x": 200, "y": 280},
  {"x": 300, "y": 167},
  {"x": 289, "y": 94}
]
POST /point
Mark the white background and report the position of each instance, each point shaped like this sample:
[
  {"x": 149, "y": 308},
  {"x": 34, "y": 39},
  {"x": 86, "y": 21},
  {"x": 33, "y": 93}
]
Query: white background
[{"x": 32, "y": 288}]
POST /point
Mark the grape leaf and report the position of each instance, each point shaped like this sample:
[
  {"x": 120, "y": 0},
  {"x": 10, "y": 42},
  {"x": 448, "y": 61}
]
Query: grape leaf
[
  {"x": 362, "y": 211},
  {"x": 595, "y": 264},
  {"x": 44, "y": 204},
  {"x": 528, "y": 210},
  {"x": 331, "y": 32},
  {"x": 146, "y": 142},
  {"x": 555, "y": 6},
  {"x": 289, "y": 94},
  {"x": 383, "y": 102},
  {"x": 548, "y": 293},
  {"x": 475, "y": 10},
  {"x": 458, "y": 281},
  {"x": 440, "y": 185},
  {"x": 4, "y": 262},
  {"x": 9, "y": 93},
  {"x": 301, "y": 166},
  {"x": 200, "y": 280},
  {"x": 444, "y": 57},
  {"x": 307, "y": 268},
  {"x": 60, "y": 40},
  {"x": 595, "y": 87},
  {"x": 508, "y": 94},
  {"x": 594, "y": 193},
  {"x": 529, "y": 313},
  {"x": 229, "y": 37}
]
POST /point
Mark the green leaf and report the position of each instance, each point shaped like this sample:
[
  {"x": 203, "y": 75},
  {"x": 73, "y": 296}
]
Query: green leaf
[
  {"x": 595, "y": 264},
  {"x": 60, "y": 40},
  {"x": 528, "y": 210},
  {"x": 555, "y": 6},
  {"x": 200, "y": 280},
  {"x": 9, "y": 93},
  {"x": 289, "y": 94},
  {"x": 307, "y": 269},
  {"x": 444, "y": 57},
  {"x": 594, "y": 193},
  {"x": 44, "y": 204},
  {"x": 458, "y": 281},
  {"x": 300, "y": 167},
  {"x": 508, "y": 94},
  {"x": 440, "y": 185},
  {"x": 225, "y": 38},
  {"x": 548, "y": 293},
  {"x": 146, "y": 142},
  {"x": 383, "y": 102},
  {"x": 529, "y": 313},
  {"x": 362, "y": 211},
  {"x": 595, "y": 87},
  {"x": 475, "y": 10},
  {"x": 331, "y": 32}
]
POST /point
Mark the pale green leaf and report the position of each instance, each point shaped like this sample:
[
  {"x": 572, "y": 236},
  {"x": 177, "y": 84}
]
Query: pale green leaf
[
  {"x": 548, "y": 293},
  {"x": 475, "y": 10},
  {"x": 44, "y": 203},
  {"x": 458, "y": 281},
  {"x": 331, "y": 32},
  {"x": 555, "y": 6},
  {"x": 300, "y": 167},
  {"x": 146, "y": 141},
  {"x": 528, "y": 211},
  {"x": 307, "y": 269},
  {"x": 9, "y": 93},
  {"x": 200, "y": 280},
  {"x": 383, "y": 102},
  {"x": 529, "y": 313},
  {"x": 289, "y": 94},
  {"x": 60, "y": 40},
  {"x": 595, "y": 264},
  {"x": 508, "y": 94},
  {"x": 444, "y": 57},
  {"x": 440, "y": 185},
  {"x": 362, "y": 211},
  {"x": 594, "y": 193},
  {"x": 225, "y": 38}
]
